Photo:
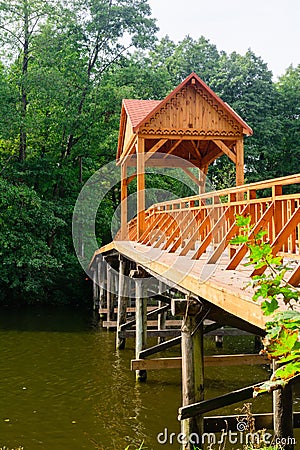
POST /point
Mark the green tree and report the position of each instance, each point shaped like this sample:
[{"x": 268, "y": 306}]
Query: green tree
[
  {"x": 288, "y": 109},
  {"x": 19, "y": 22},
  {"x": 245, "y": 83},
  {"x": 28, "y": 230}
]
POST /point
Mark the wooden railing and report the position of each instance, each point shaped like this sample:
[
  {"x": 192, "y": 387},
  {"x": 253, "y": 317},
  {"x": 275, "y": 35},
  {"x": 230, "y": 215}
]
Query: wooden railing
[{"x": 206, "y": 223}]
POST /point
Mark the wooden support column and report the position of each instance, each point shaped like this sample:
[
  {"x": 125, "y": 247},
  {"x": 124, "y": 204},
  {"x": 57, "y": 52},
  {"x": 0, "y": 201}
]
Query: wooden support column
[
  {"x": 141, "y": 320},
  {"x": 202, "y": 178},
  {"x": 192, "y": 374},
  {"x": 110, "y": 293},
  {"x": 124, "y": 206},
  {"x": 95, "y": 288},
  {"x": 163, "y": 316},
  {"x": 239, "y": 166},
  {"x": 140, "y": 187},
  {"x": 102, "y": 287},
  {"x": 122, "y": 301},
  {"x": 283, "y": 415}
]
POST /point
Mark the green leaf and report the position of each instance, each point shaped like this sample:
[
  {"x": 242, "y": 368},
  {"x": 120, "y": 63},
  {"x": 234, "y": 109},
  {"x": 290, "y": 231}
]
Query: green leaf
[
  {"x": 287, "y": 371},
  {"x": 283, "y": 344},
  {"x": 268, "y": 308},
  {"x": 260, "y": 234},
  {"x": 243, "y": 221},
  {"x": 239, "y": 240}
]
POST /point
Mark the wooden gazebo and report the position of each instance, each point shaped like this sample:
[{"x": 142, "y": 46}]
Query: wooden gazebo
[{"x": 192, "y": 123}]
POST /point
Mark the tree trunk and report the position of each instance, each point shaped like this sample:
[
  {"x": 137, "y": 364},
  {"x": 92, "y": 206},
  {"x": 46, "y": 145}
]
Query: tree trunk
[{"x": 24, "y": 100}]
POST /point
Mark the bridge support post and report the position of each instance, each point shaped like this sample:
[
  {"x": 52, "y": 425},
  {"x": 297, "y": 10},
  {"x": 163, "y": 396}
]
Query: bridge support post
[
  {"x": 283, "y": 416},
  {"x": 122, "y": 301},
  {"x": 141, "y": 321},
  {"x": 192, "y": 375},
  {"x": 102, "y": 284},
  {"x": 161, "y": 325},
  {"x": 110, "y": 295},
  {"x": 95, "y": 289}
]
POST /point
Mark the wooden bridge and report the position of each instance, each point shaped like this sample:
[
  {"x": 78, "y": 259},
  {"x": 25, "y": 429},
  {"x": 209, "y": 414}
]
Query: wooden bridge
[{"x": 177, "y": 255}]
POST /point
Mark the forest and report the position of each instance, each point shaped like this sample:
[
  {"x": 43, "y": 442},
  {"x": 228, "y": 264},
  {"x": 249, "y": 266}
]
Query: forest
[{"x": 65, "y": 68}]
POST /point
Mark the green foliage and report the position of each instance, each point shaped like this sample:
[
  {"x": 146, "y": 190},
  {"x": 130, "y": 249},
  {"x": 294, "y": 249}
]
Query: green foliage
[
  {"x": 66, "y": 101},
  {"x": 282, "y": 341},
  {"x": 28, "y": 226}
]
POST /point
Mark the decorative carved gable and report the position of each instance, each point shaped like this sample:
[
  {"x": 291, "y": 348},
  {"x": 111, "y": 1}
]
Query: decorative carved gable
[{"x": 192, "y": 111}]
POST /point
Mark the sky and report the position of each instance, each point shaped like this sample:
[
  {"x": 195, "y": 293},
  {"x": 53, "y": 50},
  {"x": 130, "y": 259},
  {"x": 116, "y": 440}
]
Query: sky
[{"x": 271, "y": 28}]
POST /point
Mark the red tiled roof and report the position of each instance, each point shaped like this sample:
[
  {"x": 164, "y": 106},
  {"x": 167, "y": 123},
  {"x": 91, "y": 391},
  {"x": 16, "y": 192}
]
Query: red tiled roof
[{"x": 138, "y": 110}]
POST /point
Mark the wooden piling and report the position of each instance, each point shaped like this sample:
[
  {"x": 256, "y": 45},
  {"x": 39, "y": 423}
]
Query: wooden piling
[
  {"x": 95, "y": 290},
  {"x": 283, "y": 416},
  {"x": 141, "y": 325},
  {"x": 162, "y": 317},
  {"x": 102, "y": 285},
  {"x": 192, "y": 377},
  {"x": 122, "y": 302},
  {"x": 110, "y": 293}
]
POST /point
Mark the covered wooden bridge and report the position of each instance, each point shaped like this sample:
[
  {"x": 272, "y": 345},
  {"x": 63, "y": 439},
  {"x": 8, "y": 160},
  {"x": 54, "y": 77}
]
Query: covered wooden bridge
[{"x": 178, "y": 252}]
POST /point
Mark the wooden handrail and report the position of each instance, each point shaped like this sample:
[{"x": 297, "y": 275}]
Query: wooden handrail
[{"x": 282, "y": 181}]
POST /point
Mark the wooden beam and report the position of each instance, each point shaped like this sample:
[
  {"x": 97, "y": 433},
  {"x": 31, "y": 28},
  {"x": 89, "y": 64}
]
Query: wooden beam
[
  {"x": 141, "y": 323},
  {"x": 174, "y": 146},
  {"x": 213, "y": 231},
  {"x": 192, "y": 176},
  {"x": 283, "y": 413},
  {"x": 226, "y": 239},
  {"x": 140, "y": 187},
  {"x": 122, "y": 300},
  {"x": 211, "y": 156},
  {"x": 281, "y": 238},
  {"x": 239, "y": 165},
  {"x": 182, "y": 307},
  {"x": 124, "y": 206},
  {"x": 205, "y": 406},
  {"x": 131, "y": 178},
  {"x": 190, "y": 243},
  {"x": 242, "y": 250},
  {"x": 168, "y": 333},
  {"x": 231, "y": 155},
  {"x": 217, "y": 424},
  {"x": 295, "y": 278},
  {"x": 130, "y": 149},
  {"x": 156, "y": 363},
  {"x": 154, "y": 149},
  {"x": 160, "y": 347},
  {"x": 185, "y": 231},
  {"x": 197, "y": 150},
  {"x": 192, "y": 374},
  {"x": 150, "y": 323},
  {"x": 150, "y": 314}
]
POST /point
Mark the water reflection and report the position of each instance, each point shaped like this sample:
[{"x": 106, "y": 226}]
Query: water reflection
[{"x": 63, "y": 386}]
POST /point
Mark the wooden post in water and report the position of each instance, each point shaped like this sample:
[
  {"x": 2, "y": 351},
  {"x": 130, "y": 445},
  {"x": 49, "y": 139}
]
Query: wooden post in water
[
  {"x": 161, "y": 324},
  {"x": 141, "y": 319},
  {"x": 110, "y": 293},
  {"x": 95, "y": 288},
  {"x": 283, "y": 415},
  {"x": 122, "y": 300},
  {"x": 192, "y": 368},
  {"x": 102, "y": 285}
]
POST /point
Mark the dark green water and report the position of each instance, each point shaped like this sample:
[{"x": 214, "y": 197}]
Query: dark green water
[{"x": 64, "y": 387}]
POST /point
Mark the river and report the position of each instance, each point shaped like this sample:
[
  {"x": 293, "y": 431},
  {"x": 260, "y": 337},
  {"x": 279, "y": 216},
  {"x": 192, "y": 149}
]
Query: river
[{"x": 63, "y": 386}]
